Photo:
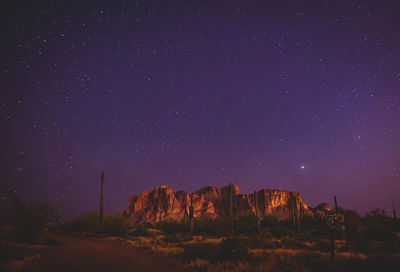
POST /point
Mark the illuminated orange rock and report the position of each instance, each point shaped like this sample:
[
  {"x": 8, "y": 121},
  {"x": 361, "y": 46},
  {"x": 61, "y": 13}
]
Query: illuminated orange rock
[{"x": 164, "y": 203}]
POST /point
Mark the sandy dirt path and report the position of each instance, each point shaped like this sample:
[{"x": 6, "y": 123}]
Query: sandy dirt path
[{"x": 93, "y": 254}]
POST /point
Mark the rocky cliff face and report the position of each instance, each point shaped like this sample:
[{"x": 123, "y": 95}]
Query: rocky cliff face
[{"x": 164, "y": 203}]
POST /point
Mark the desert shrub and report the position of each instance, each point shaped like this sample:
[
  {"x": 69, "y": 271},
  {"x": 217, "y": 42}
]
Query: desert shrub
[
  {"x": 204, "y": 251},
  {"x": 173, "y": 238},
  {"x": 375, "y": 232},
  {"x": 257, "y": 241},
  {"x": 233, "y": 249},
  {"x": 221, "y": 225},
  {"x": 171, "y": 226},
  {"x": 88, "y": 222},
  {"x": 353, "y": 222},
  {"x": 28, "y": 219},
  {"x": 313, "y": 225},
  {"x": 206, "y": 224},
  {"x": 281, "y": 230},
  {"x": 391, "y": 245},
  {"x": 185, "y": 237},
  {"x": 213, "y": 226},
  {"x": 377, "y": 225},
  {"x": 139, "y": 232},
  {"x": 269, "y": 221},
  {"x": 245, "y": 224},
  {"x": 323, "y": 245},
  {"x": 114, "y": 225},
  {"x": 230, "y": 249},
  {"x": 292, "y": 243}
]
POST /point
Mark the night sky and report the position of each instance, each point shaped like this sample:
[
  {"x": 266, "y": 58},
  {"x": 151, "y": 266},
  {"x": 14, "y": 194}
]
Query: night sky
[{"x": 301, "y": 96}]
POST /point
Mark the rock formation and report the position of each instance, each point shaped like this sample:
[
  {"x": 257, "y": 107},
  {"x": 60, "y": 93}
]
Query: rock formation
[
  {"x": 164, "y": 203},
  {"x": 323, "y": 207}
]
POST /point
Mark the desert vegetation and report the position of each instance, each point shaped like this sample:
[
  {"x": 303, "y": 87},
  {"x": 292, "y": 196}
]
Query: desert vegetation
[
  {"x": 226, "y": 243},
  {"x": 360, "y": 243}
]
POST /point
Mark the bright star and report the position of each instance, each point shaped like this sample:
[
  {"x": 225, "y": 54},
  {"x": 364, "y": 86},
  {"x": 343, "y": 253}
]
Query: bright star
[{"x": 302, "y": 167}]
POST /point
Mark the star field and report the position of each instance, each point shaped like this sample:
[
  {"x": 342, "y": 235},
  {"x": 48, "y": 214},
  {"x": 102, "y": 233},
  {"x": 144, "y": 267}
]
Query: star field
[{"x": 295, "y": 95}]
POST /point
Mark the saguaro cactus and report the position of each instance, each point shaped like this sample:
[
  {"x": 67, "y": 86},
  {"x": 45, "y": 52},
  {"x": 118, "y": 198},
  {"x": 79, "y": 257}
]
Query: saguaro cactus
[
  {"x": 185, "y": 215},
  {"x": 394, "y": 210},
  {"x": 336, "y": 209},
  {"x": 334, "y": 223},
  {"x": 296, "y": 211},
  {"x": 230, "y": 193},
  {"x": 230, "y": 207},
  {"x": 101, "y": 212},
  {"x": 191, "y": 213},
  {"x": 257, "y": 212}
]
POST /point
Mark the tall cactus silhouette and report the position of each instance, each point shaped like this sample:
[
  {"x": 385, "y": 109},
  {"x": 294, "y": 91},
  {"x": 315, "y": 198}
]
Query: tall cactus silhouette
[
  {"x": 191, "y": 213},
  {"x": 230, "y": 207},
  {"x": 257, "y": 212},
  {"x": 185, "y": 215},
  {"x": 296, "y": 211},
  {"x": 335, "y": 223},
  {"x": 101, "y": 212}
]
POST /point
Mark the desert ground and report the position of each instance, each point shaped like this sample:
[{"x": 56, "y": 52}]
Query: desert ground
[{"x": 76, "y": 253}]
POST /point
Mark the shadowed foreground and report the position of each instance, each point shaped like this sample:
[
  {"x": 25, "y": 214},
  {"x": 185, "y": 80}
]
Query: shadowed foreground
[{"x": 93, "y": 254}]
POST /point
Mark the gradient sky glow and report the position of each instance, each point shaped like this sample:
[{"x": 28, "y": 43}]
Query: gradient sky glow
[{"x": 295, "y": 95}]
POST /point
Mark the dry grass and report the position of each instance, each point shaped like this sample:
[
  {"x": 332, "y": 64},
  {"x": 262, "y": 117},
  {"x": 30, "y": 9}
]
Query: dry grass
[
  {"x": 142, "y": 241},
  {"x": 237, "y": 267},
  {"x": 168, "y": 251},
  {"x": 203, "y": 240},
  {"x": 265, "y": 253},
  {"x": 198, "y": 264},
  {"x": 350, "y": 254},
  {"x": 258, "y": 252}
]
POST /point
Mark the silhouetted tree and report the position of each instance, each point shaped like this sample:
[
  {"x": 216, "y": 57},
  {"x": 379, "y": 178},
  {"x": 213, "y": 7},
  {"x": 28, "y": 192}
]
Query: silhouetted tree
[{"x": 28, "y": 219}]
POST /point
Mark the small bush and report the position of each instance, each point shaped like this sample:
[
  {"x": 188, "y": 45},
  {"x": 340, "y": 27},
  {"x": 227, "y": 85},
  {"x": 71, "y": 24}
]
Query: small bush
[
  {"x": 269, "y": 221},
  {"x": 171, "y": 226},
  {"x": 264, "y": 242},
  {"x": 200, "y": 251},
  {"x": 323, "y": 246},
  {"x": 114, "y": 225},
  {"x": 280, "y": 231},
  {"x": 206, "y": 224},
  {"x": 230, "y": 249},
  {"x": 173, "y": 238},
  {"x": 378, "y": 226},
  {"x": 139, "y": 232},
  {"x": 233, "y": 249},
  {"x": 245, "y": 224}
]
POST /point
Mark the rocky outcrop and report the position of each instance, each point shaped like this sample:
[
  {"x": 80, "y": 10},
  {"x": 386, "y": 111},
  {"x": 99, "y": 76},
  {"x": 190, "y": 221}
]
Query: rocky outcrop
[
  {"x": 164, "y": 203},
  {"x": 324, "y": 207}
]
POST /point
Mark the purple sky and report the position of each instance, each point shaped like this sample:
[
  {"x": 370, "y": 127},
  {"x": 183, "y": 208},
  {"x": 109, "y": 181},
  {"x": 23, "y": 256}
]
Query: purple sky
[{"x": 301, "y": 96}]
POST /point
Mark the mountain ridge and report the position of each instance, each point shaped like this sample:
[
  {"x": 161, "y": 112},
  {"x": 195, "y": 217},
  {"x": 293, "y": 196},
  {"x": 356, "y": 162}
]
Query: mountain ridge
[{"x": 164, "y": 203}]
